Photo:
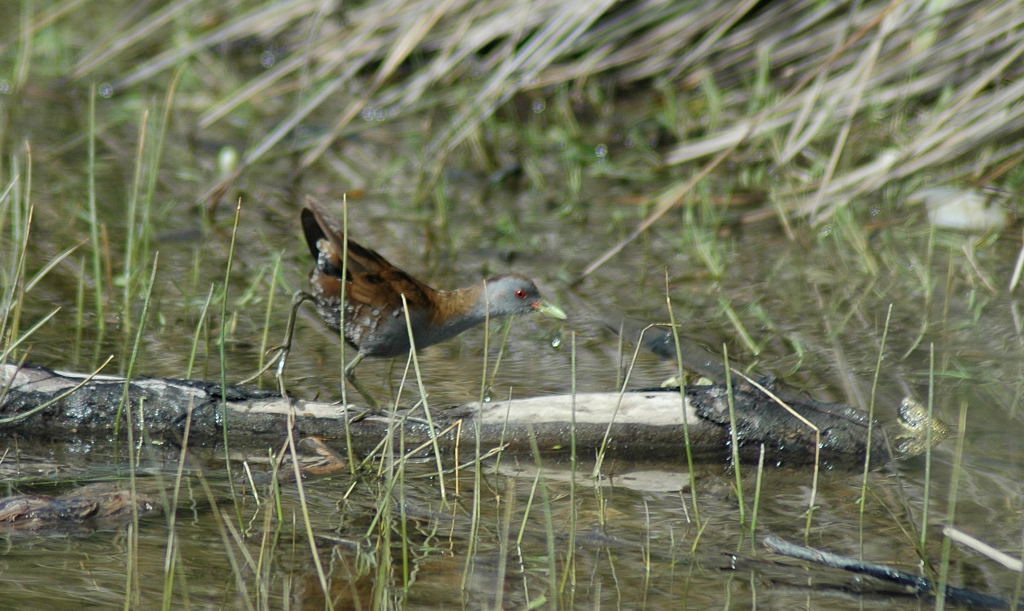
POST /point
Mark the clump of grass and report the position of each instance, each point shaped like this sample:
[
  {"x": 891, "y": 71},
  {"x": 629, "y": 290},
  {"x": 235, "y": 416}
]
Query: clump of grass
[{"x": 776, "y": 72}]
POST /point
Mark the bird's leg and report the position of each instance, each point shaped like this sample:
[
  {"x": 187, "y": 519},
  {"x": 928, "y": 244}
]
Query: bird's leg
[
  {"x": 298, "y": 299},
  {"x": 351, "y": 377}
]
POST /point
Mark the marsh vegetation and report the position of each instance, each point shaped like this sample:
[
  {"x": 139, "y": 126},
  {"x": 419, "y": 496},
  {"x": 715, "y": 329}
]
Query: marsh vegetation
[{"x": 752, "y": 171}]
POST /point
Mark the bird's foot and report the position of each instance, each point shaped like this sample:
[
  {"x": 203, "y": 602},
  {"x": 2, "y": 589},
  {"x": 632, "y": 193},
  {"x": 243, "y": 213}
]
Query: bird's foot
[{"x": 282, "y": 350}]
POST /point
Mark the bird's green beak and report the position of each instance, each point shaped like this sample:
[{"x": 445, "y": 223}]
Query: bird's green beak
[{"x": 549, "y": 309}]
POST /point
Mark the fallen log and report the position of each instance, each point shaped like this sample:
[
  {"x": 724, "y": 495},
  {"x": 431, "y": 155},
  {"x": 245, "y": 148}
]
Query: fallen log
[{"x": 40, "y": 402}]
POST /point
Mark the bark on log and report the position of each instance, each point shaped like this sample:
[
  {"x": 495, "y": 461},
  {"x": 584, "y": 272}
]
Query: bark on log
[{"x": 639, "y": 424}]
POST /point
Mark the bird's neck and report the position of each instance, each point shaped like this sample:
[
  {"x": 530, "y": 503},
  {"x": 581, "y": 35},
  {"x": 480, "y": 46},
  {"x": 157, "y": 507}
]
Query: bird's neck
[{"x": 460, "y": 308}]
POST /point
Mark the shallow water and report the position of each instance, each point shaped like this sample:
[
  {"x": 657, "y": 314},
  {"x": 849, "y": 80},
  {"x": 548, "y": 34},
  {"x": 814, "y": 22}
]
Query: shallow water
[{"x": 815, "y": 308}]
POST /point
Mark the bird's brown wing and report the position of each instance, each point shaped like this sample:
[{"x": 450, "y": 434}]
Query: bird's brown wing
[{"x": 372, "y": 280}]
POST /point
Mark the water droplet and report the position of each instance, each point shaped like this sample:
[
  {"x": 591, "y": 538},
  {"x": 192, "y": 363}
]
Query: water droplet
[
  {"x": 268, "y": 58},
  {"x": 601, "y": 151},
  {"x": 106, "y": 90},
  {"x": 5, "y": 86},
  {"x": 374, "y": 113},
  {"x": 556, "y": 342},
  {"x": 227, "y": 160},
  {"x": 539, "y": 106}
]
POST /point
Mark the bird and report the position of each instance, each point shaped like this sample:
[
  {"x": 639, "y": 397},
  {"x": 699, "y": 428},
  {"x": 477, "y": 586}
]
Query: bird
[{"x": 360, "y": 294}]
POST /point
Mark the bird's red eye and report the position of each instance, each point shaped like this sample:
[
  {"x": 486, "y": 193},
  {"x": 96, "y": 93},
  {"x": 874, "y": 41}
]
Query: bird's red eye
[{"x": 521, "y": 293}]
